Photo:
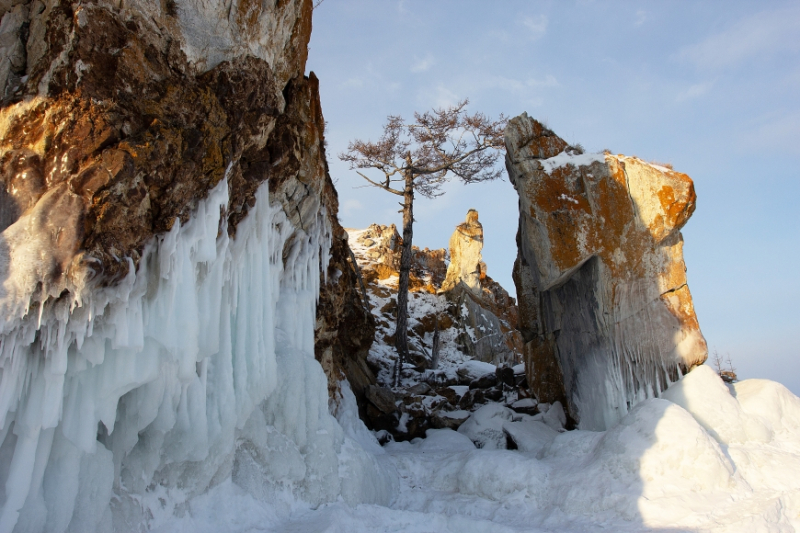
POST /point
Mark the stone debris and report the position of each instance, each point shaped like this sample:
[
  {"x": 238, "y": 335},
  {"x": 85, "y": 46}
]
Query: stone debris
[{"x": 474, "y": 317}]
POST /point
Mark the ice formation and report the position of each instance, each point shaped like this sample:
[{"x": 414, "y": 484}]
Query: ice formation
[{"x": 118, "y": 404}]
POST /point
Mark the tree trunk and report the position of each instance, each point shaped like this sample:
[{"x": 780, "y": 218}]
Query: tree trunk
[{"x": 401, "y": 332}]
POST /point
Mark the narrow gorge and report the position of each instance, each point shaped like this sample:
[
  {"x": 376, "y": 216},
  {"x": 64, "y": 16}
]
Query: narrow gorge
[{"x": 191, "y": 341}]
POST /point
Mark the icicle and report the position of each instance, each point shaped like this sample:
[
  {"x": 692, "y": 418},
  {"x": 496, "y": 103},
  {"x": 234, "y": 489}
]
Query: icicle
[{"x": 152, "y": 382}]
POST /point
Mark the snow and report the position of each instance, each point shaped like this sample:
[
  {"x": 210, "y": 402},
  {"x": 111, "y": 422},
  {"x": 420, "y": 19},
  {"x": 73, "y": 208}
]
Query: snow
[
  {"x": 658, "y": 469},
  {"x": 474, "y": 369},
  {"x": 563, "y": 159},
  {"x": 188, "y": 399}
]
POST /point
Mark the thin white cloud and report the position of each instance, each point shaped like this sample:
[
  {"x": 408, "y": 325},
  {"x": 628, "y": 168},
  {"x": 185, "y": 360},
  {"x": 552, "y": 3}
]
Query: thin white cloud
[
  {"x": 537, "y": 26},
  {"x": 367, "y": 79},
  {"x": 694, "y": 91},
  {"x": 350, "y": 206},
  {"x": 756, "y": 36},
  {"x": 641, "y": 17},
  {"x": 777, "y": 133},
  {"x": 547, "y": 81},
  {"x": 353, "y": 83},
  {"x": 421, "y": 65},
  {"x": 444, "y": 97}
]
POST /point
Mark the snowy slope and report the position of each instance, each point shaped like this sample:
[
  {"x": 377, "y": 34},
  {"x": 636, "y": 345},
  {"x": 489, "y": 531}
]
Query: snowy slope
[{"x": 660, "y": 469}]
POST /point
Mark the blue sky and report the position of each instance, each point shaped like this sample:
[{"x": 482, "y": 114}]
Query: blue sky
[{"x": 712, "y": 87}]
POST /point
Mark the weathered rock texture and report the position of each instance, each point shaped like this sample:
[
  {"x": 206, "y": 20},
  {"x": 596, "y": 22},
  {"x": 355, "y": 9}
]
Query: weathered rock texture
[
  {"x": 116, "y": 121},
  {"x": 605, "y": 311},
  {"x": 485, "y": 311},
  {"x": 466, "y": 244}
]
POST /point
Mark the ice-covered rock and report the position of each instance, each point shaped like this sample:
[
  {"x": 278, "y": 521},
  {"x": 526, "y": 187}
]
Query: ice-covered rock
[
  {"x": 167, "y": 227},
  {"x": 531, "y": 436},
  {"x": 471, "y": 370},
  {"x": 485, "y": 426},
  {"x": 605, "y": 311}
]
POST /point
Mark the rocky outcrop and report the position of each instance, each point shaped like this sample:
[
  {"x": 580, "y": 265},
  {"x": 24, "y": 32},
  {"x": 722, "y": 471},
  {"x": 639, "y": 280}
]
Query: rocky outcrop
[
  {"x": 166, "y": 224},
  {"x": 484, "y": 310},
  {"x": 605, "y": 311},
  {"x": 452, "y": 333},
  {"x": 119, "y": 120},
  {"x": 112, "y": 132},
  {"x": 345, "y": 328},
  {"x": 466, "y": 244}
]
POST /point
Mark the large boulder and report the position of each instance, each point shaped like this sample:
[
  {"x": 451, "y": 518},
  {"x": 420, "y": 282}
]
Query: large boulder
[{"x": 605, "y": 311}]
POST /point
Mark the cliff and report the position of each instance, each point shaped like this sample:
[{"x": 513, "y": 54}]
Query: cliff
[
  {"x": 167, "y": 227},
  {"x": 605, "y": 310}
]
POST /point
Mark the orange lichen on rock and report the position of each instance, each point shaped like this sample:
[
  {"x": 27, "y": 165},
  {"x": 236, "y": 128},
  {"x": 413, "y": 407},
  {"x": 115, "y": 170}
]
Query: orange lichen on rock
[{"x": 600, "y": 274}]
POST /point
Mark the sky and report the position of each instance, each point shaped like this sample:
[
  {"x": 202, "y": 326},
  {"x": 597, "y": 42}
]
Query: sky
[{"x": 711, "y": 87}]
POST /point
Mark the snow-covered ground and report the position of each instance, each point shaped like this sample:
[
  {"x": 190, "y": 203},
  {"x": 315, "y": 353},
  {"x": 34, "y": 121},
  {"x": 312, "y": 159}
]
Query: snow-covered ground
[
  {"x": 188, "y": 399},
  {"x": 708, "y": 457}
]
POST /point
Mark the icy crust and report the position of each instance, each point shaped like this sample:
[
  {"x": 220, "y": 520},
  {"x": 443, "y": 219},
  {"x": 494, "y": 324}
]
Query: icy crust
[{"x": 196, "y": 369}]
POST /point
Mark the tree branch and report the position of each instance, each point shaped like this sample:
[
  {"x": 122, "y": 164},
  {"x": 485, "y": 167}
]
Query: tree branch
[{"x": 380, "y": 185}]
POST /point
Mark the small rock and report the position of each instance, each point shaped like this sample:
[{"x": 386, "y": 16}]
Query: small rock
[
  {"x": 449, "y": 419},
  {"x": 484, "y": 382},
  {"x": 485, "y": 426},
  {"x": 420, "y": 389},
  {"x": 471, "y": 370},
  {"x": 472, "y": 397},
  {"x": 494, "y": 395},
  {"x": 383, "y": 437},
  {"x": 448, "y": 393},
  {"x": 526, "y": 406},
  {"x": 381, "y": 397},
  {"x": 505, "y": 375},
  {"x": 555, "y": 417},
  {"x": 419, "y": 360}
]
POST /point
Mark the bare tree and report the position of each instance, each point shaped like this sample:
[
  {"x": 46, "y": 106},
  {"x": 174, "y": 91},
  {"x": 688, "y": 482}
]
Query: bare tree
[{"x": 419, "y": 157}]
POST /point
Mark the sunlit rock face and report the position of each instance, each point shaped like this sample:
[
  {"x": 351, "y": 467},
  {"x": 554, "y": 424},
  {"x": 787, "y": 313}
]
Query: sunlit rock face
[
  {"x": 483, "y": 308},
  {"x": 168, "y": 225},
  {"x": 605, "y": 311},
  {"x": 466, "y": 244}
]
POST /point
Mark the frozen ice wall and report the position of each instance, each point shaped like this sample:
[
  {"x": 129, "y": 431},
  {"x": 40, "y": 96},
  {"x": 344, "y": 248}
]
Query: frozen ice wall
[{"x": 123, "y": 402}]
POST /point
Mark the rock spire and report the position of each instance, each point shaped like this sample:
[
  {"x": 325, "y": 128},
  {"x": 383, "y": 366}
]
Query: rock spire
[{"x": 466, "y": 244}]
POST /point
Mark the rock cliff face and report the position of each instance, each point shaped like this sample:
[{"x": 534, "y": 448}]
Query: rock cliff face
[
  {"x": 135, "y": 142},
  {"x": 605, "y": 311},
  {"x": 118, "y": 121}
]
